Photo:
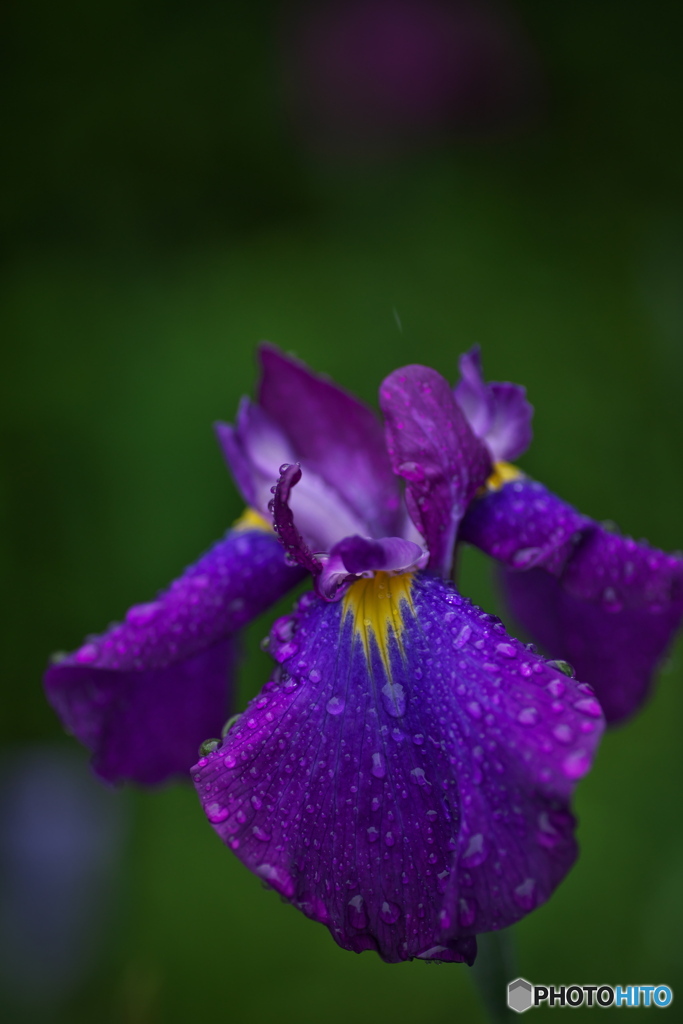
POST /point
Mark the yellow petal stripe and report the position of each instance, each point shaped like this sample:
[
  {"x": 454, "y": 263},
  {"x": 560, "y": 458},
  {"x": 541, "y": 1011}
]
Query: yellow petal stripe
[
  {"x": 252, "y": 520},
  {"x": 378, "y": 604}
]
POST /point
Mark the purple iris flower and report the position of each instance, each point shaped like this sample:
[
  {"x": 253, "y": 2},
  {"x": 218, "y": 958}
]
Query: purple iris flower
[{"x": 404, "y": 777}]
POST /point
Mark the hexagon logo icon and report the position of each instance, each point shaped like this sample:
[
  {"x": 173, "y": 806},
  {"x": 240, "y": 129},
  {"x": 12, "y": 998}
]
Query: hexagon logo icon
[{"x": 520, "y": 995}]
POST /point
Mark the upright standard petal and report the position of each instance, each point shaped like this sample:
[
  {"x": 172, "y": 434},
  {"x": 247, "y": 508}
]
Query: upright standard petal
[
  {"x": 499, "y": 413},
  {"x": 612, "y": 613},
  {"x": 334, "y": 435},
  {"x": 143, "y": 695},
  {"x": 605, "y": 603},
  {"x": 255, "y": 449},
  {"x": 404, "y": 777},
  {"x": 433, "y": 448}
]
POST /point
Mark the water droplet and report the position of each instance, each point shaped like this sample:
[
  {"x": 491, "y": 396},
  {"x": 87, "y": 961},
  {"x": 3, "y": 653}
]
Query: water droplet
[
  {"x": 208, "y": 747},
  {"x": 525, "y": 894},
  {"x": 467, "y": 911},
  {"x": 563, "y": 733},
  {"x": 314, "y": 675},
  {"x": 528, "y": 716},
  {"x": 373, "y": 834},
  {"x": 394, "y": 699},
  {"x": 506, "y": 650},
  {"x": 473, "y": 709},
  {"x": 525, "y": 557},
  {"x": 256, "y": 802},
  {"x": 417, "y": 775},
  {"x": 378, "y": 765},
  {"x": 562, "y": 666},
  {"x": 335, "y": 705},
  {"x": 389, "y": 839},
  {"x": 556, "y": 687},
  {"x": 463, "y": 636},
  {"x": 389, "y": 912},
  {"x": 230, "y": 761},
  {"x": 216, "y": 814},
  {"x": 357, "y": 916},
  {"x": 86, "y": 654},
  {"x": 476, "y": 852},
  {"x": 261, "y": 834},
  {"x": 418, "y": 739},
  {"x": 576, "y": 764},
  {"x": 143, "y": 614},
  {"x": 589, "y": 706}
]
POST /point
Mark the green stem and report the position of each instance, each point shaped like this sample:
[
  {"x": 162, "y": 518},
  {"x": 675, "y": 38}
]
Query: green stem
[{"x": 494, "y": 968}]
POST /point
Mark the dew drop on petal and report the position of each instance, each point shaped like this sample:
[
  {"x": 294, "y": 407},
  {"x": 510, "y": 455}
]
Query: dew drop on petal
[
  {"x": 556, "y": 687},
  {"x": 357, "y": 916},
  {"x": 576, "y": 764},
  {"x": 506, "y": 650},
  {"x": 467, "y": 911},
  {"x": 563, "y": 733},
  {"x": 528, "y": 716},
  {"x": 86, "y": 654},
  {"x": 379, "y": 769},
  {"x": 335, "y": 705},
  {"x": 215, "y": 813},
  {"x": 389, "y": 912},
  {"x": 562, "y": 666},
  {"x": 394, "y": 699},
  {"x": 525, "y": 894},
  {"x": 476, "y": 852},
  {"x": 208, "y": 747},
  {"x": 589, "y": 706}
]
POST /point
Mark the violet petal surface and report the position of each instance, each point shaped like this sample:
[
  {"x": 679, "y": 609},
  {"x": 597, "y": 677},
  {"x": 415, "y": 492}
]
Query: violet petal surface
[{"x": 404, "y": 779}]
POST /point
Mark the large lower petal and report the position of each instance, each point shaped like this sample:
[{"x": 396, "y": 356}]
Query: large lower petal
[
  {"x": 433, "y": 448},
  {"x": 404, "y": 777},
  {"x": 612, "y": 613},
  {"x": 143, "y": 695},
  {"x": 333, "y": 435}
]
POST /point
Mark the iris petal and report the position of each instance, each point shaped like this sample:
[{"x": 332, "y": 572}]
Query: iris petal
[
  {"x": 499, "y": 413},
  {"x": 613, "y": 614},
  {"x": 524, "y": 526},
  {"x": 433, "y": 448},
  {"x": 143, "y": 695},
  {"x": 605, "y": 603},
  {"x": 404, "y": 776},
  {"x": 334, "y": 435}
]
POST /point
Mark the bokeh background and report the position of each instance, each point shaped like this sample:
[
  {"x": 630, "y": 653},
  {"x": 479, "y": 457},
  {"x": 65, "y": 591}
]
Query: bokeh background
[{"x": 365, "y": 184}]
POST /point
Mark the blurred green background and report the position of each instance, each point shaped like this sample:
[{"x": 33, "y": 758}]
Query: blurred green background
[{"x": 167, "y": 201}]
